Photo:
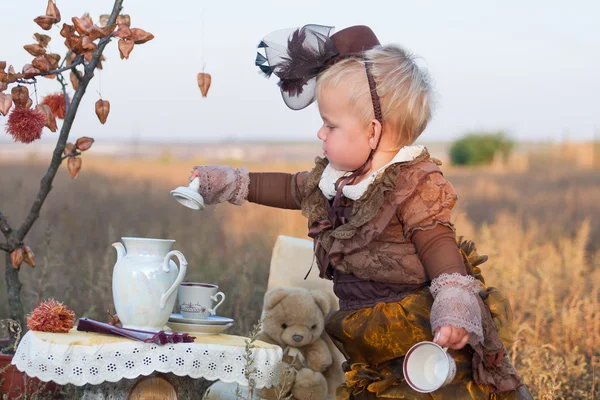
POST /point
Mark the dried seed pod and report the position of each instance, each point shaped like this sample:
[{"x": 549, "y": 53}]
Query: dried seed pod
[
  {"x": 87, "y": 44},
  {"x": 99, "y": 33},
  {"x": 67, "y": 30},
  {"x": 123, "y": 32},
  {"x": 35, "y": 49},
  {"x": 69, "y": 149},
  {"x": 20, "y": 95},
  {"x": 42, "y": 39},
  {"x": 140, "y": 36},
  {"x": 5, "y": 103},
  {"x": 52, "y": 10},
  {"x": 29, "y": 71},
  {"x": 41, "y": 63},
  {"x": 124, "y": 19},
  {"x": 74, "y": 166},
  {"x": 45, "y": 21},
  {"x": 102, "y": 110},
  {"x": 53, "y": 60},
  {"x": 16, "y": 258},
  {"x": 204, "y": 81},
  {"x": 50, "y": 118},
  {"x": 84, "y": 143},
  {"x": 28, "y": 256},
  {"x": 103, "y": 20},
  {"x": 74, "y": 43},
  {"x": 12, "y": 76},
  {"x": 82, "y": 25},
  {"x": 125, "y": 48}
]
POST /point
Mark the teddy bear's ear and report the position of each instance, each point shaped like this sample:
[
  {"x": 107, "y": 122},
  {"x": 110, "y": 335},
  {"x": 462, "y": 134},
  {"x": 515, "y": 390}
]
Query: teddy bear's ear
[
  {"x": 322, "y": 301},
  {"x": 273, "y": 297}
]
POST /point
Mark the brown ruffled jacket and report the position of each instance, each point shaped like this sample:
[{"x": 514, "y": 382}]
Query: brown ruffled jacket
[
  {"x": 380, "y": 243},
  {"x": 376, "y": 242}
]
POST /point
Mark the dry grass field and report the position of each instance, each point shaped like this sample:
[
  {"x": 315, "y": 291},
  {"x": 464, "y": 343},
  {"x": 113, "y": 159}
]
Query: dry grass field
[{"x": 539, "y": 226}]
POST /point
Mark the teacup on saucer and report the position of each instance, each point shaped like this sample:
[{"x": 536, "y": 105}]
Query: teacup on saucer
[{"x": 196, "y": 299}]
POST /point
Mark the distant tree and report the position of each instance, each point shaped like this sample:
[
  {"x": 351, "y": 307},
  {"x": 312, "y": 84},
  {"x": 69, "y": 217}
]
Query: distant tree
[{"x": 480, "y": 148}]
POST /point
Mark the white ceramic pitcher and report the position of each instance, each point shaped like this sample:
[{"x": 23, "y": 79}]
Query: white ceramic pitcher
[{"x": 145, "y": 282}]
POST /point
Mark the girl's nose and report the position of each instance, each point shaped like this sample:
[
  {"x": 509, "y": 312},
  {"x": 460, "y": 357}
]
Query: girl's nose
[{"x": 321, "y": 134}]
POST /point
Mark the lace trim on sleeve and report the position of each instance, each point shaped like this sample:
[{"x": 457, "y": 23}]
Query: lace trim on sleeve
[
  {"x": 455, "y": 304},
  {"x": 242, "y": 184}
]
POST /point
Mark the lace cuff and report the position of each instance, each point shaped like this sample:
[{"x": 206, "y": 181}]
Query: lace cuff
[
  {"x": 242, "y": 186},
  {"x": 223, "y": 183},
  {"x": 455, "y": 304}
]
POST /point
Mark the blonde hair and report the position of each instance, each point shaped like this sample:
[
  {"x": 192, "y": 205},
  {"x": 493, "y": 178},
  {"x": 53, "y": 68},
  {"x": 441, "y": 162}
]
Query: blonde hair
[{"x": 404, "y": 90}]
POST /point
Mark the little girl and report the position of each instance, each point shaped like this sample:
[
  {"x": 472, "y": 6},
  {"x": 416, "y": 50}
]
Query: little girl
[{"x": 378, "y": 209}]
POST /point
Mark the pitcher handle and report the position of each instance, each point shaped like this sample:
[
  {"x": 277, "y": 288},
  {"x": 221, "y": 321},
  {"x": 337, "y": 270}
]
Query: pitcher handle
[{"x": 180, "y": 276}]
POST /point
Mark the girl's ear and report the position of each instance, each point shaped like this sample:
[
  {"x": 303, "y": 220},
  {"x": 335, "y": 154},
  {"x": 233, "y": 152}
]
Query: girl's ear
[{"x": 375, "y": 134}]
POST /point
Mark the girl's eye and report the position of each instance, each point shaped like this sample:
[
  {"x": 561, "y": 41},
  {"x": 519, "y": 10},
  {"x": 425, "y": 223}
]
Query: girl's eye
[{"x": 329, "y": 126}]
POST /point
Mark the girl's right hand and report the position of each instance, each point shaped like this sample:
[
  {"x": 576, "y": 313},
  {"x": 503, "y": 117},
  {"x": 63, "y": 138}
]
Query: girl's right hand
[
  {"x": 451, "y": 336},
  {"x": 222, "y": 183}
]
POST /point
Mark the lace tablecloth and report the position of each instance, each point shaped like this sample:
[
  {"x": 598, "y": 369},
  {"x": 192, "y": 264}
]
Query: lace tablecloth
[{"x": 80, "y": 358}]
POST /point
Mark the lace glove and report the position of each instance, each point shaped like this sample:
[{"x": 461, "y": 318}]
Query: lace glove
[
  {"x": 222, "y": 183},
  {"x": 456, "y": 304}
]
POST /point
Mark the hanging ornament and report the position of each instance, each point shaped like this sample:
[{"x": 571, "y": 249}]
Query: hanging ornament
[
  {"x": 203, "y": 78},
  {"x": 102, "y": 110},
  {"x": 204, "y": 83}
]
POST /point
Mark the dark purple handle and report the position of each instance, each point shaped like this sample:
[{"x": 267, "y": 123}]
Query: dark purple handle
[{"x": 160, "y": 337}]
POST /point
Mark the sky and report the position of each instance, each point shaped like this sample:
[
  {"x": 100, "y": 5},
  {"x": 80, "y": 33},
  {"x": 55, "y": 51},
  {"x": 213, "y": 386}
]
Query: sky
[{"x": 529, "y": 68}]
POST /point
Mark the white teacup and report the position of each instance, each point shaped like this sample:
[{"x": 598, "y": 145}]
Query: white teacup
[
  {"x": 428, "y": 367},
  {"x": 196, "y": 299}
]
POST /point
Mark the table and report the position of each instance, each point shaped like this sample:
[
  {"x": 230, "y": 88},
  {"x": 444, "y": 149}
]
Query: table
[{"x": 96, "y": 361}]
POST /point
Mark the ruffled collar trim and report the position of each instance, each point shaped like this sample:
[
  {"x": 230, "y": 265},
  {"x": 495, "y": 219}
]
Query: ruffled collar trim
[{"x": 354, "y": 192}]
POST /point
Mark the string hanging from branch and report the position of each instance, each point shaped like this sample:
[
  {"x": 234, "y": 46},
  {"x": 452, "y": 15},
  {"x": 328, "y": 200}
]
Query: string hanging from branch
[{"x": 204, "y": 79}]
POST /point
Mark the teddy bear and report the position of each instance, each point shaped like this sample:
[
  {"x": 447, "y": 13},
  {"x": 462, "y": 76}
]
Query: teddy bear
[{"x": 294, "y": 319}]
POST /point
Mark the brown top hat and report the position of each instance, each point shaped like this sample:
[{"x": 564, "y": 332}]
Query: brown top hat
[{"x": 354, "y": 39}]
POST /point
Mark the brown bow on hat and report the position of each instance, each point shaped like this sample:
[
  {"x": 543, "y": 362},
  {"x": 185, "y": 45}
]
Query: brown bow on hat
[{"x": 307, "y": 52}]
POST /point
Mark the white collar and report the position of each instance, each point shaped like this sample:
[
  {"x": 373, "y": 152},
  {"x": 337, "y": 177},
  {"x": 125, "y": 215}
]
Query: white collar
[{"x": 354, "y": 192}]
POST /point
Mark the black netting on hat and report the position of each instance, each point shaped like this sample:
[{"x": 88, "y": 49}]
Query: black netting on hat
[{"x": 296, "y": 56}]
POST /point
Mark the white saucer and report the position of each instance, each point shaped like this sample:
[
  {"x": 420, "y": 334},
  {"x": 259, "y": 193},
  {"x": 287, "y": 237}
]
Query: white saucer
[
  {"x": 198, "y": 329},
  {"x": 211, "y": 320}
]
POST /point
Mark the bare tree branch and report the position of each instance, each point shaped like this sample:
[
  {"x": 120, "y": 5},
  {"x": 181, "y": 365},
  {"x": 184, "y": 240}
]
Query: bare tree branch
[
  {"x": 30, "y": 81},
  {"x": 13, "y": 285},
  {"x": 75, "y": 63},
  {"x": 5, "y": 226},
  {"x": 75, "y": 154},
  {"x": 5, "y": 247},
  {"x": 61, "y": 80},
  {"x": 77, "y": 74},
  {"x": 46, "y": 183}
]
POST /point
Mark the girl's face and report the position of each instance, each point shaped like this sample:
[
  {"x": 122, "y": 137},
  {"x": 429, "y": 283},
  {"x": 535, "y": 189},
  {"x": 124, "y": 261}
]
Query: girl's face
[{"x": 345, "y": 138}]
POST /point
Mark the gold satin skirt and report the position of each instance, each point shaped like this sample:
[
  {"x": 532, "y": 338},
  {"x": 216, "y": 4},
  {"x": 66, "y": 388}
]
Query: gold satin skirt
[{"x": 375, "y": 340}]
